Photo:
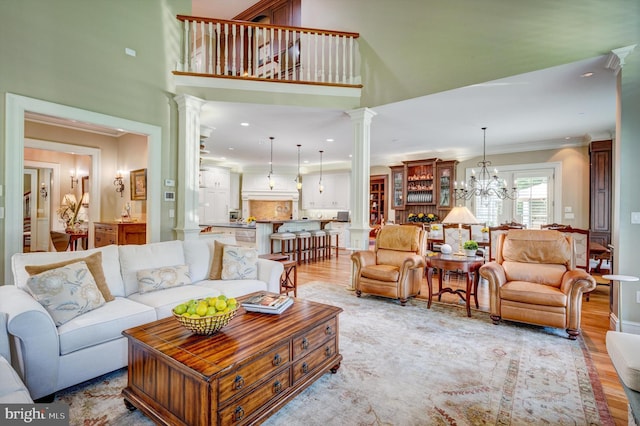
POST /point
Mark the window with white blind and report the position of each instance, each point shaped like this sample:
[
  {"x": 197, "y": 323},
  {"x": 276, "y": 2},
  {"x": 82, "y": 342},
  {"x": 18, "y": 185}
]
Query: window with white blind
[{"x": 534, "y": 205}]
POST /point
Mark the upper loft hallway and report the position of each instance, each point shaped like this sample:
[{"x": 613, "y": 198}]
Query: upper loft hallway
[{"x": 228, "y": 60}]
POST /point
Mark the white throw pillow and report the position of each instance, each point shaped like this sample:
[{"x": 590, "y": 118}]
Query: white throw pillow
[
  {"x": 164, "y": 277},
  {"x": 66, "y": 292},
  {"x": 239, "y": 263}
]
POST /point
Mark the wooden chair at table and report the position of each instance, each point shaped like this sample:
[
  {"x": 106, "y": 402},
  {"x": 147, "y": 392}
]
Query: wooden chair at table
[
  {"x": 554, "y": 226},
  {"x": 60, "y": 240}
]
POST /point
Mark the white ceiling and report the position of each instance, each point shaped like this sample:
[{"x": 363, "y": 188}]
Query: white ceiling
[{"x": 544, "y": 109}]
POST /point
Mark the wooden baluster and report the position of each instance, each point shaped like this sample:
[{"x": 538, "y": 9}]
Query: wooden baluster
[
  {"x": 218, "y": 48},
  {"x": 344, "y": 59},
  {"x": 351, "y": 57},
  {"x": 249, "y": 50},
  {"x": 286, "y": 55},
  {"x": 309, "y": 36},
  {"x": 330, "y": 68},
  {"x": 233, "y": 46},
  {"x": 270, "y": 52},
  {"x": 185, "y": 58},
  {"x": 226, "y": 49},
  {"x": 203, "y": 49},
  {"x": 322, "y": 52},
  {"x": 210, "y": 56},
  {"x": 242, "y": 50},
  {"x": 194, "y": 27},
  {"x": 279, "y": 53}
]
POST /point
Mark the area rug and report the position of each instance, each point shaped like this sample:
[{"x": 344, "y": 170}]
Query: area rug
[{"x": 415, "y": 366}]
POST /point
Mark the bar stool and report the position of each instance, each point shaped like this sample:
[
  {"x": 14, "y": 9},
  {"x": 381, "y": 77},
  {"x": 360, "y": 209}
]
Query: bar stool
[
  {"x": 319, "y": 244},
  {"x": 330, "y": 234},
  {"x": 303, "y": 244},
  {"x": 287, "y": 243}
]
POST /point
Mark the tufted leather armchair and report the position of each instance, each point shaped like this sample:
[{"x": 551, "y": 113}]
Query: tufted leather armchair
[
  {"x": 534, "y": 280},
  {"x": 395, "y": 267}
]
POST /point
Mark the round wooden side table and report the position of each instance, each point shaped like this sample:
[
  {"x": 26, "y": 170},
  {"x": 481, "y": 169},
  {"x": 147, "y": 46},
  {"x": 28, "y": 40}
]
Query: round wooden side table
[
  {"x": 449, "y": 262},
  {"x": 620, "y": 279}
]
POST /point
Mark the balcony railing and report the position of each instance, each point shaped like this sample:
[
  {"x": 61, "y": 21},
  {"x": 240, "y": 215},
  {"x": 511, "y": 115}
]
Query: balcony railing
[{"x": 246, "y": 50}]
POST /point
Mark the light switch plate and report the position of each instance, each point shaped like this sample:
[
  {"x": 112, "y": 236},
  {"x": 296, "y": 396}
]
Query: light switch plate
[
  {"x": 169, "y": 182},
  {"x": 635, "y": 218},
  {"x": 569, "y": 216}
]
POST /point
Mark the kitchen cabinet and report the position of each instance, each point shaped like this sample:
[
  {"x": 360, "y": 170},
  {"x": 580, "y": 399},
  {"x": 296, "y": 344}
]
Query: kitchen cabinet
[
  {"x": 335, "y": 195},
  {"x": 213, "y": 206},
  {"x": 420, "y": 183},
  {"x": 423, "y": 186},
  {"x": 445, "y": 178},
  {"x": 215, "y": 177},
  {"x": 214, "y": 195},
  {"x": 601, "y": 175},
  {"x": 397, "y": 187},
  {"x": 377, "y": 199}
]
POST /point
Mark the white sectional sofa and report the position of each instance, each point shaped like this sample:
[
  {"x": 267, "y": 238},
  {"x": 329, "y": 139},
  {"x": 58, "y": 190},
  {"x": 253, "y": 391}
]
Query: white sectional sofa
[{"x": 50, "y": 358}]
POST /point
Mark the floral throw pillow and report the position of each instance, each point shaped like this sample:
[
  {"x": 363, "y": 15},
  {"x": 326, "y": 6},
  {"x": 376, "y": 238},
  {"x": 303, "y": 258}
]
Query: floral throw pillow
[
  {"x": 164, "y": 277},
  {"x": 66, "y": 292},
  {"x": 239, "y": 263}
]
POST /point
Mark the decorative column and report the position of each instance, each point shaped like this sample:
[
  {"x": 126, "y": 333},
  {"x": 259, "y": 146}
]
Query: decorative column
[
  {"x": 187, "y": 226},
  {"x": 626, "y": 150},
  {"x": 360, "y": 164}
]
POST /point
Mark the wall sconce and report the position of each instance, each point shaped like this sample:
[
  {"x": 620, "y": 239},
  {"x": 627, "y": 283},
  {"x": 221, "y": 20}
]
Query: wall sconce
[
  {"x": 43, "y": 191},
  {"x": 118, "y": 183},
  {"x": 74, "y": 179}
]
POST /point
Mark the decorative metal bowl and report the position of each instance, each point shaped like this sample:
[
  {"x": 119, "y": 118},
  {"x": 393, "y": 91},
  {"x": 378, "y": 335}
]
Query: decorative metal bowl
[{"x": 206, "y": 325}]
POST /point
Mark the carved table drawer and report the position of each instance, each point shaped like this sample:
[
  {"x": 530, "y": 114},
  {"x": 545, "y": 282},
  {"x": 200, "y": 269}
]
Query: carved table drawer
[
  {"x": 306, "y": 342},
  {"x": 247, "y": 374},
  {"x": 309, "y": 363},
  {"x": 244, "y": 407}
]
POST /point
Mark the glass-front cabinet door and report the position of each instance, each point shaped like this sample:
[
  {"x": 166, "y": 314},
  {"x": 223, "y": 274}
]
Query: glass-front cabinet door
[
  {"x": 397, "y": 187},
  {"x": 445, "y": 177}
]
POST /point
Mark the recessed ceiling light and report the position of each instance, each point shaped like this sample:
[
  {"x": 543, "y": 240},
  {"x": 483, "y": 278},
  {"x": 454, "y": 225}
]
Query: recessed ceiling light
[
  {"x": 306, "y": 161},
  {"x": 244, "y": 124},
  {"x": 587, "y": 74},
  {"x": 329, "y": 140},
  {"x": 567, "y": 137},
  {"x": 231, "y": 148},
  {"x": 350, "y": 155}
]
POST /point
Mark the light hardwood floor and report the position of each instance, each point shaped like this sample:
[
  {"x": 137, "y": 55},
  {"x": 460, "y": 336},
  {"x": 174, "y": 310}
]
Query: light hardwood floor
[{"x": 595, "y": 322}]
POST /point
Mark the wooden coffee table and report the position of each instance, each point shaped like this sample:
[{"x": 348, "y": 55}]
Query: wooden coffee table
[{"x": 240, "y": 375}]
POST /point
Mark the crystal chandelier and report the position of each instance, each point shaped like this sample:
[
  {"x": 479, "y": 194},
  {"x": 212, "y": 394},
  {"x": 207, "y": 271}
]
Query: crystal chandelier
[{"x": 486, "y": 184}]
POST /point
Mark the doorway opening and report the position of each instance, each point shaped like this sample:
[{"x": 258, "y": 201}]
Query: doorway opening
[{"x": 15, "y": 108}]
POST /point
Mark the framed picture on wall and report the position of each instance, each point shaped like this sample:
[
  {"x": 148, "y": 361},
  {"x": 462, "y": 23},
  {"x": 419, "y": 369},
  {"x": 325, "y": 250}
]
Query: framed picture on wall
[{"x": 138, "y": 179}]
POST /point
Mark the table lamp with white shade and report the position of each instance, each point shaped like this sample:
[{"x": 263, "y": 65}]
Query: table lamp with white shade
[{"x": 462, "y": 216}]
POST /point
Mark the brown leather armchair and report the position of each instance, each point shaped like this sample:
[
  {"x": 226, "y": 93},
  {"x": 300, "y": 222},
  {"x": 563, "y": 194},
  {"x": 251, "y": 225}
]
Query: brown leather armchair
[
  {"x": 534, "y": 280},
  {"x": 395, "y": 267}
]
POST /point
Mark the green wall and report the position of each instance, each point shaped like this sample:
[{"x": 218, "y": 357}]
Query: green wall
[
  {"x": 412, "y": 48},
  {"x": 627, "y": 151},
  {"x": 72, "y": 52}
]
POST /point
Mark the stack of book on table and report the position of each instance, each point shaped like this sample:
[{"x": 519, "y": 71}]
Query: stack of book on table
[{"x": 267, "y": 303}]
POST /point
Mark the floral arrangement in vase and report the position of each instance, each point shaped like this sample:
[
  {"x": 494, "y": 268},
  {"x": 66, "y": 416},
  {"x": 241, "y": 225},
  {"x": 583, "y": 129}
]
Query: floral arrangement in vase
[
  {"x": 251, "y": 220},
  {"x": 423, "y": 218},
  {"x": 68, "y": 211}
]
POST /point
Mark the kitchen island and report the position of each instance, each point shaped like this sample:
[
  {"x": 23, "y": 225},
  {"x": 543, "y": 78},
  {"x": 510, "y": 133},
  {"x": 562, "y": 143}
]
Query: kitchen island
[{"x": 257, "y": 235}]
